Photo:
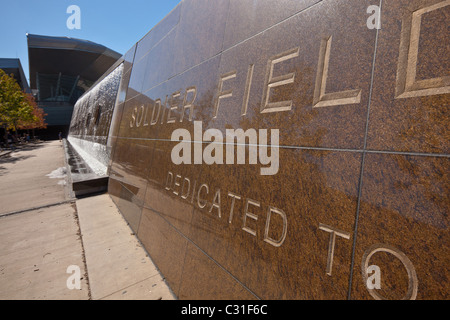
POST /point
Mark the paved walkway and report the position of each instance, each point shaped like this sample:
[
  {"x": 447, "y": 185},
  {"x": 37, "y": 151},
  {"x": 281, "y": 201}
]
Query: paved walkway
[{"x": 50, "y": 243}]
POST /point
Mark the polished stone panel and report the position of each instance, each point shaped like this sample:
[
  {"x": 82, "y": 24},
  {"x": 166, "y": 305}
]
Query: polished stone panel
[
  {"x": 175, "y": 104},
  {"x": 200, "y": 32},
  {"x": 161, "y": 59},
  {"x": 137, "y": 77},
  {"x": 166, "y": 247},
  {"x": 117, "y": 114},
  {"x": 158, "y": 33},
  {"x": 124, "y": 196},
  {"x": 244, "y": 20},
  {"x": 201, "y": 269},
  {"x": 128, "y": 59},
  {"x": 167, "y": 184},
  {"x": 410, "y": 105},
  {"x": 128, "y": 182},
  {"x": 403, "y": 227}
]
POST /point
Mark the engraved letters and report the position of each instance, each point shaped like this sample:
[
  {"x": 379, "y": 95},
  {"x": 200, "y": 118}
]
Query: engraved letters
[
  {"x": 333, "y": 233},
  {"x": 139, "y": 115},
  {"x": 223, "y": 94},
  {"x": 173, "y": 106},
  {"x": 210, "y": 201},
  {"x": 233, "y": 197},
  {"x": 407, "y": 85},
  {"x": 248, "y": 86},
  {"x": 413, "y": 284},
  {"x": 273, "y": 82},
  {"x": 279, "y": 242},
  {"x": 189, "y": 105},
  {"x": 323, "y": 99},
  {"x": 248, "y": 214}
]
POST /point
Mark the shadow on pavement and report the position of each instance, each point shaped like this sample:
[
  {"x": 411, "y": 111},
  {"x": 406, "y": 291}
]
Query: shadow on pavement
[{"x": 13, "y": 156}]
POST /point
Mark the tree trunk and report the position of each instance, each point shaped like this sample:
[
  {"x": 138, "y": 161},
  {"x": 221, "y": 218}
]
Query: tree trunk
[{"x": 15, "y": 133}]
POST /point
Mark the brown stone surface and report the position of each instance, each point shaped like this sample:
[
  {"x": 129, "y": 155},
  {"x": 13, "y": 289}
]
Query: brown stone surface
[
  {"x": 165, "y": 245},
  {"x": 363, "y": 162},
  {"x": 404, "y": 204},
  {"x": 245, "y": 20},
  {"x": 127, "y": 184},
  {"x": 201, "y": 269}
]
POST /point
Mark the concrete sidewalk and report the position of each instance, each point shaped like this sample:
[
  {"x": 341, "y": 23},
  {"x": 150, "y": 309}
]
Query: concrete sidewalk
[{"x": 50, "y": 242}]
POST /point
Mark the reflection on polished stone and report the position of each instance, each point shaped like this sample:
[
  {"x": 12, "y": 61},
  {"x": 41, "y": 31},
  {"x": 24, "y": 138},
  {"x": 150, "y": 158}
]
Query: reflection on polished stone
[
  {"x": 404, "y": 211},
  {"x": 409, "y": 110},
  {"x": 358, "y": 206}
]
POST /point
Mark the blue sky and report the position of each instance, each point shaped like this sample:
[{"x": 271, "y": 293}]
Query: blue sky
[{"x": 117, "y": 25}]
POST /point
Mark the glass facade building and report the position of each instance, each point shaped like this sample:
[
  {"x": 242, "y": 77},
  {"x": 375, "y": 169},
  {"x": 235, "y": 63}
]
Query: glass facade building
[{"x": 62, "y": 69}]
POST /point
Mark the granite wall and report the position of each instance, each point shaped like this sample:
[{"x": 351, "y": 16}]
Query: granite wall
[{"x": 356, "y": 206}]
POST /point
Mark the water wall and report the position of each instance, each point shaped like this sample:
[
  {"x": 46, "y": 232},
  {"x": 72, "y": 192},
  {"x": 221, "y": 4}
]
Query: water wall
[{"x": 91, "y": 119}]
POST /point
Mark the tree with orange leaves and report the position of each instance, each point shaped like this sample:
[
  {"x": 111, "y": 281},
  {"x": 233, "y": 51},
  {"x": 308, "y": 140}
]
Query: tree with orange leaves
[{"x": 37, "y": 121}]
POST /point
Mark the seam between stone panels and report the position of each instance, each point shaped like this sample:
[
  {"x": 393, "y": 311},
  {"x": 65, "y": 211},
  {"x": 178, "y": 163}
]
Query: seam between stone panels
[
  {"x": 122, "y": 104},
  {"x": 131, "y": 73},
  {"x": 146, "y": 187},
  {"x": 404, "y": 153},
  {"x": 168, "y": 32},
  {"x": 136, "y": 234},
  {"x": 233, "y": 46},
  {"x": 185, "y": 253},
  {"x": 157, "y": 43},
  {"x": 155, "y": 26},
  {"x": 363, "y": 160},
  {"x": 272, "y": 26},
  {"x": 209, "y": 257},
  {"x": 143, "y": 204},
  {"x": 225, "y": 28},
  {"x": 249, "y": 145},
  {"x": 183, "y": 72}
]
